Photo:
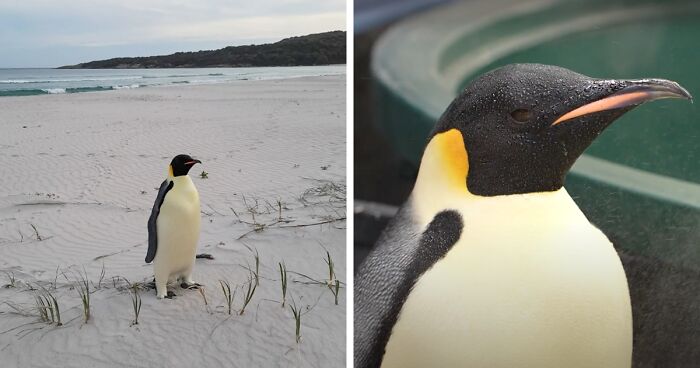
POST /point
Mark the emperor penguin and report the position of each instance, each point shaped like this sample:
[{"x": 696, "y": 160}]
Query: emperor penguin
[
  {"x": 490, "y": 263},
  {"x": 173, "y": 228}
]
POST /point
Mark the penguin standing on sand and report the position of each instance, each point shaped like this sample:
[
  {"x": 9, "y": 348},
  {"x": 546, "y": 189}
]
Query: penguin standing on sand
[
  {"x": 173, "y": 228},
  {"x": 490, "y": 263}
]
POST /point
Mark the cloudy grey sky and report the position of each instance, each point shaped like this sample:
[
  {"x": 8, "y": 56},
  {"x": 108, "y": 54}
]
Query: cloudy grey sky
[{"x": 50, "y": 33}]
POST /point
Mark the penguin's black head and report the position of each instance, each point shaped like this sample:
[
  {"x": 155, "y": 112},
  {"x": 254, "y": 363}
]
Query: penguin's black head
[
  {"x": 524, "y": 125},
  {"x": 181, "y": 164}
]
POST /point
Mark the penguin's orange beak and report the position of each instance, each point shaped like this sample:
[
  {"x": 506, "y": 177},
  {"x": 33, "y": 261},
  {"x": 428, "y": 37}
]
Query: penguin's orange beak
[
  {"x": 636, "y": 93},
  {"x": 189, "y": 163}
]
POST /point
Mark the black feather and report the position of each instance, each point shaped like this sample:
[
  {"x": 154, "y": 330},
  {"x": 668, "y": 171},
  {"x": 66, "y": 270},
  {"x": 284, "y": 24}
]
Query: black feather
[
  {"x": 152, "y": 233},
  {"x": 388, "y": 274}
]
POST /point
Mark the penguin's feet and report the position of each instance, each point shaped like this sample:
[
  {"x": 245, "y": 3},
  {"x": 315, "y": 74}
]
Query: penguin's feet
[
  {"x": 168, "y": 295},
  {"x": 190, "y": 286}
]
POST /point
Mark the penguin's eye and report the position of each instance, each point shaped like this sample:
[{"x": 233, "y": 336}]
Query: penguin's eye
[{"x": 521, "y": 115}]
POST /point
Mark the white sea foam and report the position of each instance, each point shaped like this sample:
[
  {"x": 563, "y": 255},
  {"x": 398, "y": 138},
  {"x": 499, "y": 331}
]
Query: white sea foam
[
  {"x": 204, "y": 81},
  {"x": 127, "y": 86},
  {"x": 54, "y": 90},
  {"x": 15, "y": 81}
]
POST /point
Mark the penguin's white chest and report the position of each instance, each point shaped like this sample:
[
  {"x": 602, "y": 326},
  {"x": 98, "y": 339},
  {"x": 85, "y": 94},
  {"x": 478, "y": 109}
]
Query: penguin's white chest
[
  {"x": 530, "y": 283},
  {"x": 178, "y": 226}
]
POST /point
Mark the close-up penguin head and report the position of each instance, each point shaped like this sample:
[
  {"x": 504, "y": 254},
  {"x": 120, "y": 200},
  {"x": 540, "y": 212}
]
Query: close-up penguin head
[
  {"x": 523, "y": 126},
  {"x": 181, "y": 165}
]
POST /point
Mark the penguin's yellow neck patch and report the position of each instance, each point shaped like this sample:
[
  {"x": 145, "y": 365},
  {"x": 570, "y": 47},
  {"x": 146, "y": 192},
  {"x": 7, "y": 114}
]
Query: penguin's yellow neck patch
[
  {"x": 445, "y": 161},
  {"x": 170, "y": 171},
  {"x": 442, "y": 177}
]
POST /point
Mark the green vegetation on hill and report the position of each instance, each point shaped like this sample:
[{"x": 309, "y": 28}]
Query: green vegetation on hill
[{"x": 314, "y": 49}]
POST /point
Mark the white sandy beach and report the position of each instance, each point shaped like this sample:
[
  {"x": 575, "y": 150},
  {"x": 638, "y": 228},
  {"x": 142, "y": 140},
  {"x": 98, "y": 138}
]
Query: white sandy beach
[{"x": 79, "y": 175}]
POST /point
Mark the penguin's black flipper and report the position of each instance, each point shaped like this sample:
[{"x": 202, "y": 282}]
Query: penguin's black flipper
[
  {"x": 386, "y": 277},
  {"x": 152, "y": 234}
]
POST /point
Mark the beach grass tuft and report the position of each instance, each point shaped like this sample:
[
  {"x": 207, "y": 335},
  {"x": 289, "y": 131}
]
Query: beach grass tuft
[
  {"x": 335, "y": 289},
  {"x": 296, "y": 312},
  {"x": 283, "y": 280},
  {"x": 48, "y": 308},
  {"x": 228, "y": 296},
  {"x": 333, "y": 283},
  {"x": 135, "y": 302},
  {"x": 257, "y": 268},
  {"x": 41, "y": 307},
  {"x": 250, "y": 291},
  {"x": 331, "y": 268},
  {"x": 102, "y": 276},
  {"x": 36, "y": 233},
  {"x": 204, "y": 296},
  {"x": 279, "y": 209},
  {"x": 12, "y": 280},
  {"x": 55, "y": 278},
  {"x": 252, "y": 209},
  {"x": 83, "y": 288}
]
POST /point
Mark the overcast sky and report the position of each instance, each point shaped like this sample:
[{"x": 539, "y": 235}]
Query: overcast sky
[{"x": 50, "y": 33}]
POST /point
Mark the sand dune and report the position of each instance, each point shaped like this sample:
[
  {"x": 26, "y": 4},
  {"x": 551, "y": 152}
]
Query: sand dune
[{"x": 80, "y": 172}]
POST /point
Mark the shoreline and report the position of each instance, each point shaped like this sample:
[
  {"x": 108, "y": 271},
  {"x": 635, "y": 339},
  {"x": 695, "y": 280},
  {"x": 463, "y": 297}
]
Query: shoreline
[
  {"x": 193, "y": 67},
  {"x": 134, "y": 82}
]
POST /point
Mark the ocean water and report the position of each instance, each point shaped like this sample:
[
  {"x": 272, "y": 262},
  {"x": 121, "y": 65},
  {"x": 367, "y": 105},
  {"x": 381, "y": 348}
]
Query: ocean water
[{"x": 26, "y": 82}]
